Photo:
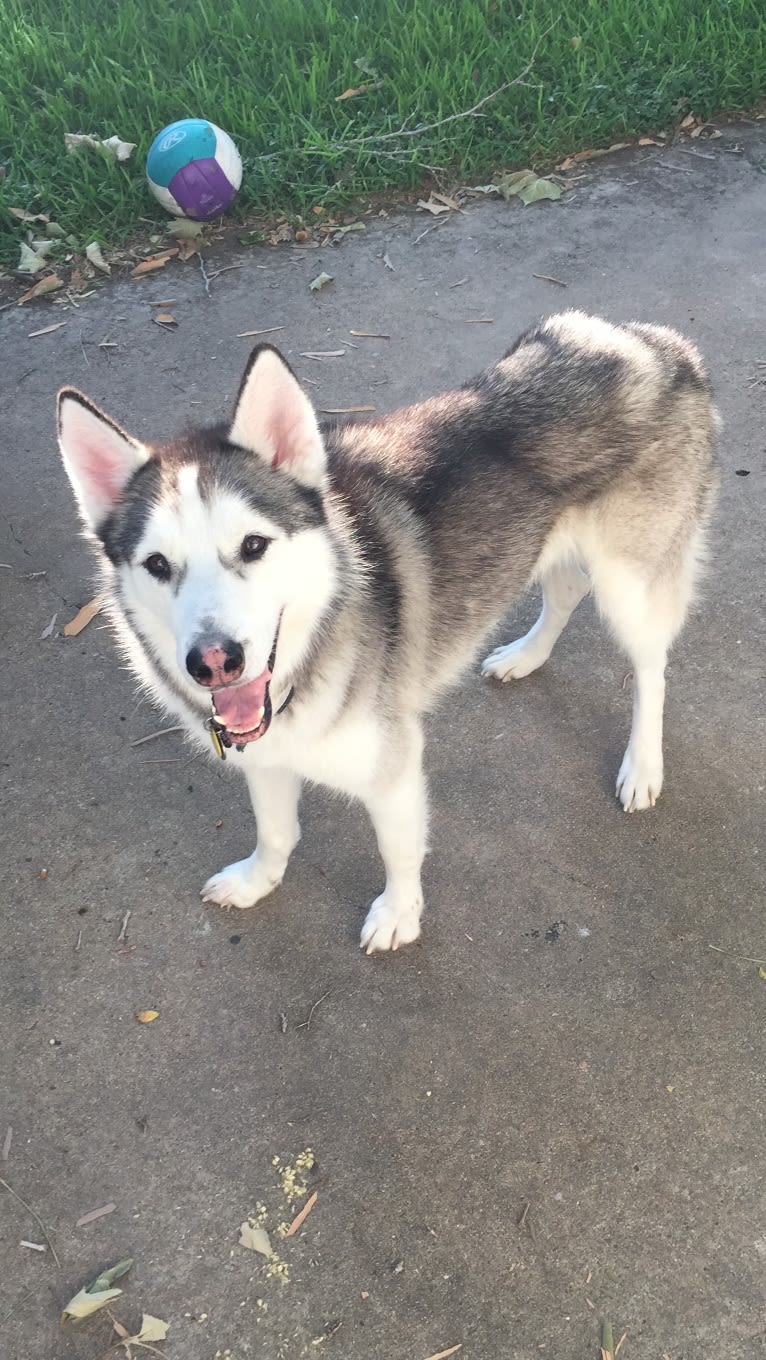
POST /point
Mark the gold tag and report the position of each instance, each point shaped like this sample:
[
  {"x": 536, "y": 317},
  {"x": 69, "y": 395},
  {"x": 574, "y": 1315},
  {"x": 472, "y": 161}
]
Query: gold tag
[{"x": 215, "y": 737}]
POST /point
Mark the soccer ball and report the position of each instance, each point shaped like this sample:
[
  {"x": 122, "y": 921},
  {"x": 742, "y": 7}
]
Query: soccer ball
[{"x": 194, "y": 169}]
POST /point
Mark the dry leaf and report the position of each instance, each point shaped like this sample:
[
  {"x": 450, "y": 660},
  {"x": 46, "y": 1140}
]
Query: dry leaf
[
  {"x": 47, "y": 632},
  {"x": 432, "y": 206},
  {"x": 387, "y": 261},
  {"x": 83, "y": 617},
  {"x": 30, "y": 261},
  {"x": 321, "y": 353},
  {"x": 152, "y": 1328},
  {"x": 343, "y": 231},
  {"x": 165, "y": 319},
  {"x": 46, "y": 285},
  {"x": 46, "y": 330},
  {"x": 357, "y": 90},
  {"x": 707, "y": 131},
  {"x": 93, "y": 252},
  {"x": 186, "y": 250},
  {"x": 524, "y": 184},
  {"x": 154, "y": 262},
  {"x": 25, "y": 216},
  {"x": 320, "y": 281},
  {"x": 688, "y": 121},
  {"x": 344, "y": 410},
  {"x": 370, "y": 335},
  {"x": 649, "y": 141},
  {"x": 301, "y": 1217},
  {"x": 95, "y": 1295},
  {"x": 94, "y": 1214},
  {"x": 762, "y": 973},
  {"x": 113, "y": 146},
  {"x": 146, "y": 1017},
  {"x": 254, "y": 1238},
  {"x": 185, "y": 229},
  {"x": 120, "y": 1330},
  {"x": 442, "y": 1355},
  {"x": 449, "y": 202}
]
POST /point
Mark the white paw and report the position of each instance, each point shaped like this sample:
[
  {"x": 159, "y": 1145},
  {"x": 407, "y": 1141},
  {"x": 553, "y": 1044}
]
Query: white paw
[
  {"x": 240, "y": 885},
  {"x": 514, "y": 661},
  {"x": 388, "y": 925},
  {"x": 639, "y": 782}
]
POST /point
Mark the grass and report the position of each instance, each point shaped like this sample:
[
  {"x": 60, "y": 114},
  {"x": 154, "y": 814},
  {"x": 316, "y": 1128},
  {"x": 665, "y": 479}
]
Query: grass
[{"x": 269, "y": 71}]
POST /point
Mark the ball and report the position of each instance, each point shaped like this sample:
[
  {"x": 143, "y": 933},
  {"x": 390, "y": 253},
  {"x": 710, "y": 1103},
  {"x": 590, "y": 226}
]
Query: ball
[{"x": 194, "y": 169}]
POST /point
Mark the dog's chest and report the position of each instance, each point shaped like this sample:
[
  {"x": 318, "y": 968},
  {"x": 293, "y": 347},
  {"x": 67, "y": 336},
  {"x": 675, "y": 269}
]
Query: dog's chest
[{"x": 345, "y": 758}]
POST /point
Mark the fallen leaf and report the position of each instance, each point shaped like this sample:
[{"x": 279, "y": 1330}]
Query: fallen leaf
[
  {"x": 46, "y": 285},
  {"x": 97, "y": 1294},
  {"x": 447, "y": 201},
  {"x": 688, "y": 121},
  {"x": 254, "y": 1238},
  {"x": 55, "y": 231},
  {"x": 186, "y": 250},
  {"x": 301, "y": 1217},
  {"x": 153, "y": 262},
  {"x": 165, "y": 319},
  {"x": 707, "y": 131},
  {"x": 524, "y": 184},
  {"x": 152, "y": 1328},
  {"x": 762, "y": 973},
  {"x": 649, "y": 141},
  {"x": 113, "y": 146},
  {"x": 83, "y": 617},
  {"x": 94, "y": 1214},
  {"x": 358, "y": 89},
  {"x": 30, "y": 261},
  {"x": 33, "y": 1246},
  {"x": 321, "y": 353},
  {"x": 387, "y": 262},
  {"x": 320, "y": 281},
  {"x": 283, "y": 232},
  {"x": 146, "y": 1017},
  {"x": 47, "y": 632},
  {"x": 120, "y": 1330},
  {"x": 93, "y": 252},
  {"x": 432, "y": 206},
  {"x": 25, "y": 216},
  {"x": 343, "y": 231},
  {"x": 185, "y": 229},
  {"x": 442, "y": 1355},
  {"x": 46, "y": 330}
]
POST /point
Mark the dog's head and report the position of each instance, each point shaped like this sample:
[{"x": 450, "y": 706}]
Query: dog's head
[{"x": 217, "y": 541}]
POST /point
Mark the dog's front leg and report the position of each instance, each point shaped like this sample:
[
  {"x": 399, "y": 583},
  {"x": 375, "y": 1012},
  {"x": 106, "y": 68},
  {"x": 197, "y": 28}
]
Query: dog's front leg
[
  {"x": 275, "y": 794},
  {"x": 399, "y": 813}
]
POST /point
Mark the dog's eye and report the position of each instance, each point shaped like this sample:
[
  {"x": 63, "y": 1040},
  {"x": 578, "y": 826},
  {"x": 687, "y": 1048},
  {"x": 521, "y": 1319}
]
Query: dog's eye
[
  {"x": 253, "y": 547},
  {"x": 158, "y": 567}
]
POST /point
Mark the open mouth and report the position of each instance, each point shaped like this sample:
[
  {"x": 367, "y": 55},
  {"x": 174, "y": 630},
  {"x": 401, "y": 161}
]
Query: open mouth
[{"x": 242, "y": 713}]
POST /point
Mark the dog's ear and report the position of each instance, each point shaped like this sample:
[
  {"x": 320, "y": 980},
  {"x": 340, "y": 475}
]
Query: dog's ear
[
  {"x": 99, "y": 457},
  {"x": 274, "y": 418}
]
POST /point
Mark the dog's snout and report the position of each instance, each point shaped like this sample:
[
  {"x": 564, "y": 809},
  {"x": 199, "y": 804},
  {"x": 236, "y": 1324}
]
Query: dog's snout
[{"x": 215, "y": 663}]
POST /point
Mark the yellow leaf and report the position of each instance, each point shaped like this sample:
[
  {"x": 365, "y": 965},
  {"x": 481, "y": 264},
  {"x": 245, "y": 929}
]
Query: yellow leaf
[
  {"x": 146, "y": 1017},
  {"x": 83, "y": 1303},
  {"x": 254, "y": 1238},
  {"x": 152, "y": 1328}
]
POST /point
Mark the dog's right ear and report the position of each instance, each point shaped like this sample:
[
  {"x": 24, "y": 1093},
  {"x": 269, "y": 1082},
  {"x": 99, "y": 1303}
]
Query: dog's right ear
[
  {"x": 99, "y": 457},
  {"x": 274, "y": 418}
]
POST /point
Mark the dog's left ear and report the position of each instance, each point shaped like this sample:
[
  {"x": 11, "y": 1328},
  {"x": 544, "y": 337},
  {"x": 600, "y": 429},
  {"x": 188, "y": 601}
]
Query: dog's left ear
[{"x": 274, "y": 418}]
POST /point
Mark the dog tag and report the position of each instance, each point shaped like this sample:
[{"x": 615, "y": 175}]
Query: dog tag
[{"x": 215, "y": 737}]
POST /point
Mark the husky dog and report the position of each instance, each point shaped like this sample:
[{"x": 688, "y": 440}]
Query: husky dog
[{"x": 301, "y": 594}]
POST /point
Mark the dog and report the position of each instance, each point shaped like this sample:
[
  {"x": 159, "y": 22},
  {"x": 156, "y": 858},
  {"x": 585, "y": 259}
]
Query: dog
[{"x": 300, "y": 594}]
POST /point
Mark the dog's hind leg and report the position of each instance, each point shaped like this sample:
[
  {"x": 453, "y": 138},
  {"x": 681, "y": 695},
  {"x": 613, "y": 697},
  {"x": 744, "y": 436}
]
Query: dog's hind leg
[
  {"x": 399, "y": 814},
  {"x": 564, "y": 586},
  {"x": 645, "y": 617},
  {"x": 275, "y": 794}
]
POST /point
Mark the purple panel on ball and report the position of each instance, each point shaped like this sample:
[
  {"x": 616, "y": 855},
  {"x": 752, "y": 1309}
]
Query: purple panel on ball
[{"x": 202, "y": 189}]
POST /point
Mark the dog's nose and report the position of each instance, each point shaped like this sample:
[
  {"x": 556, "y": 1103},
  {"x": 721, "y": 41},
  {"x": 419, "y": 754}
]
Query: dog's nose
[{"x": 215, "y": 663}]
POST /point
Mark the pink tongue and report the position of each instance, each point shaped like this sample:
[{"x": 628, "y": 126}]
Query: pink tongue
[{"x": 239, "y": 708}]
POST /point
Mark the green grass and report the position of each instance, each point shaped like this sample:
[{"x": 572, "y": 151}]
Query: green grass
[{"x": 269, "y": 71}]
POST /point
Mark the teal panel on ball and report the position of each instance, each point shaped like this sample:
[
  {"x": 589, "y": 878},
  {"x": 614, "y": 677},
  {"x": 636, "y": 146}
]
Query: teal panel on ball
[{"x": 190, "y": 139}]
